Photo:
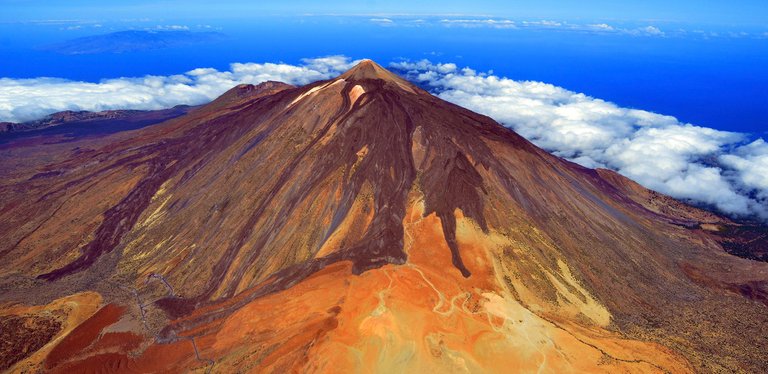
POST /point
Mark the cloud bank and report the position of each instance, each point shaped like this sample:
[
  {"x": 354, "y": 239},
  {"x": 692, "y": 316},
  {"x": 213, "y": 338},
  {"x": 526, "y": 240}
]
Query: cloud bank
[
  {"x": 471, "y": 23},
  {"x": 702, "y": 165},
  {"x": 619, "y": 29},
  {"x": 724, "y": 170}
]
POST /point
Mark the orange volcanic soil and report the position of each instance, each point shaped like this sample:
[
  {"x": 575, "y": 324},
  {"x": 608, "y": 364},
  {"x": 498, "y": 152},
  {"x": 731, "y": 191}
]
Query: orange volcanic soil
[{"x": 358, "y": 224}]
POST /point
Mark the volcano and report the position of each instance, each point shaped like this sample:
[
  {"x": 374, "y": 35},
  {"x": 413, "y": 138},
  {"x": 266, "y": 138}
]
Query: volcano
[{"x": 358, "y": 224}]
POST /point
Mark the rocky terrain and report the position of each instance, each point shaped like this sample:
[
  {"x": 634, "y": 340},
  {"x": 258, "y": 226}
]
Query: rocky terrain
[{"x": 359, "y": 224}]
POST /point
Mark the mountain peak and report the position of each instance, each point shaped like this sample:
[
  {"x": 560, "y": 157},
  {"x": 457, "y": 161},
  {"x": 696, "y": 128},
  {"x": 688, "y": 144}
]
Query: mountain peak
[
  {"x": 247, "y": 222},
  {"x": 368, "y": 69}
]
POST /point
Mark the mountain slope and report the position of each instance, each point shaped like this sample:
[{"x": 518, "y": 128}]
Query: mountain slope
[{"x": 361, "y": 223}]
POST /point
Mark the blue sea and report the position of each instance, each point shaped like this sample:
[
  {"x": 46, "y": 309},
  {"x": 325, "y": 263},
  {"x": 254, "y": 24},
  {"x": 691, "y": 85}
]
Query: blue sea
[{"x": 719, "y": 82}]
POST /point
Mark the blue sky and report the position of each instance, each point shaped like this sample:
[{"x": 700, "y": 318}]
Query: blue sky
[{"x": 716, "y": 12}]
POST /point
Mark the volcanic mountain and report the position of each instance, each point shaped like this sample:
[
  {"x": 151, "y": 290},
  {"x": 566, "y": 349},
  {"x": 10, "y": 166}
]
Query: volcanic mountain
[{"x": 357, "y": 224}]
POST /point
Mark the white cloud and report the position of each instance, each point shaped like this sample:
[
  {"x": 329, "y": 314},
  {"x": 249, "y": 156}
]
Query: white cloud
[
  {"x": 478, "y": 21},
  {"x": 648, "y": 30},
  {"x": 382, "y": 21},
  {"x": 606, "y": 28},
  {"x": 700, "y": 164},
  {"x": 494, "y": 23},
  {"x": 685, "y": 161},
  {"x": 543, "y": 23},
  {"x": 171, "y": 27},
  {"x": 749, "y": 164},
  {"x": 554, "y": 25},
  {"x": 601, "y": 27}
]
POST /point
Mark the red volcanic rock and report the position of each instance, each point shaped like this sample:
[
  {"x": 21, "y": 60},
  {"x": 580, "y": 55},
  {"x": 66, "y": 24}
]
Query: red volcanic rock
[{"x": 362, "y": 224}]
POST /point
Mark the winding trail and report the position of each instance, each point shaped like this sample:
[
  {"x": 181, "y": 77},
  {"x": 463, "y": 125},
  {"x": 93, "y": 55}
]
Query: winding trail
[
  {"x": 162, "y": 279},
  {"x": 142, "y": 312},
  {"x": 208, "y": 361}
]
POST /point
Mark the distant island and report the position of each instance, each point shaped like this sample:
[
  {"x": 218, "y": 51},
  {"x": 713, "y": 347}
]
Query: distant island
[{"x": 132, "y": 41}]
